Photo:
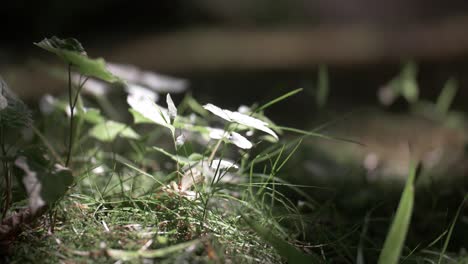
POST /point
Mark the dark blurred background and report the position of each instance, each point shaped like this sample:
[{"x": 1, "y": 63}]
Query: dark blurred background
[
  {"x": 255, "y": 50},
  {"x": 241, "y": 52}
]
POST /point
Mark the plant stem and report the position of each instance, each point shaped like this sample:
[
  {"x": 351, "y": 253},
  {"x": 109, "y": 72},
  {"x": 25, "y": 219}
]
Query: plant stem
[
  {"x": 6, "y": 174},
  {"x": 70, "y": 105}
]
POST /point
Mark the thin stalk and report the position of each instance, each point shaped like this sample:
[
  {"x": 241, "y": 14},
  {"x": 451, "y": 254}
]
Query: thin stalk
[
  {"x": 70, "y": 104},
  {"x": 6, "y": 174},
  {"x": 72, "y": 101}
]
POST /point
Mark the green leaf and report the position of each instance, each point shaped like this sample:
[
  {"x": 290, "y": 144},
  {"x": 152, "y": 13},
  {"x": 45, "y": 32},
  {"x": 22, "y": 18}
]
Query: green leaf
[
  {"x": 44, "y": 183},
  {"x": 286, "y": 250},
  {"x": 71, "y": 51},
  {"x": 396, "y": 236},
  {"x": 109, "y": 130},
  {"x": 93, "y": 115},
  {"x": 195, "y": 157},
  {"x": 56, "y": 183},
  {"x": 139, "y": 118},
  {"x": 70, "y": 44}
]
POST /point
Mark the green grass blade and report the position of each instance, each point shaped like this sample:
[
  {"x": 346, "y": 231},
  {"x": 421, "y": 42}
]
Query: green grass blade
[
  {"x": 315, "y": 134},
  {"x": 286, "y": 250},
  {"x": 281, "y": 98},
  {"x": 446, "y": 96},
  {"x": 449, "y": 235},
  {"x": 322, "y": 87},
  {"x": 395, "y": 240}
]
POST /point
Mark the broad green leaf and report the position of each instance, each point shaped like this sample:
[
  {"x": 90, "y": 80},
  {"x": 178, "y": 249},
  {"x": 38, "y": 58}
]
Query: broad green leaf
[
  {"x": 56, "y": 183},
  {"x": 395, "y": 240},
  {"x": 71, "y": 51},
  {"x": 286, "y": 250},
  {"x": 44, "y": 184},
  {"x": 109, "y": 130},
  {"x": 138, "y": 118},
  {"x": 93, "y": 115}
]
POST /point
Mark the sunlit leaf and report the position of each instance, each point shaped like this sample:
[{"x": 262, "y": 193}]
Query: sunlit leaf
[
  {"x": 71, "y": 51},
  {"x": 180, "y": 140},
  {"x": 224, "y": 165},
  {"x": 141, "y": 91},
  {"x": 242, "y": 119},
  {"x": 149, "y": 110},
  {"x": 171, "y": 107},
  {"x": 232, "y": 137},
  {"x": 240, "y": 141}
]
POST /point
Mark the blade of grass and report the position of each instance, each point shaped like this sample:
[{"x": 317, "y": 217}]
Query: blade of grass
[
  {"x": 446, "y": 96},
  {"x": 315, "y": 134},
  {"x": 395, "y": 240},
  {"x": 449, "y": 235},
  {"x": 286, "y": 250},
  {"x": 279, "y": 99},
  {"x": 322, "y": 86}
]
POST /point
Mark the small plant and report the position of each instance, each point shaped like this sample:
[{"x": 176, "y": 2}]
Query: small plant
[{"x": 72, "y": 52}]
